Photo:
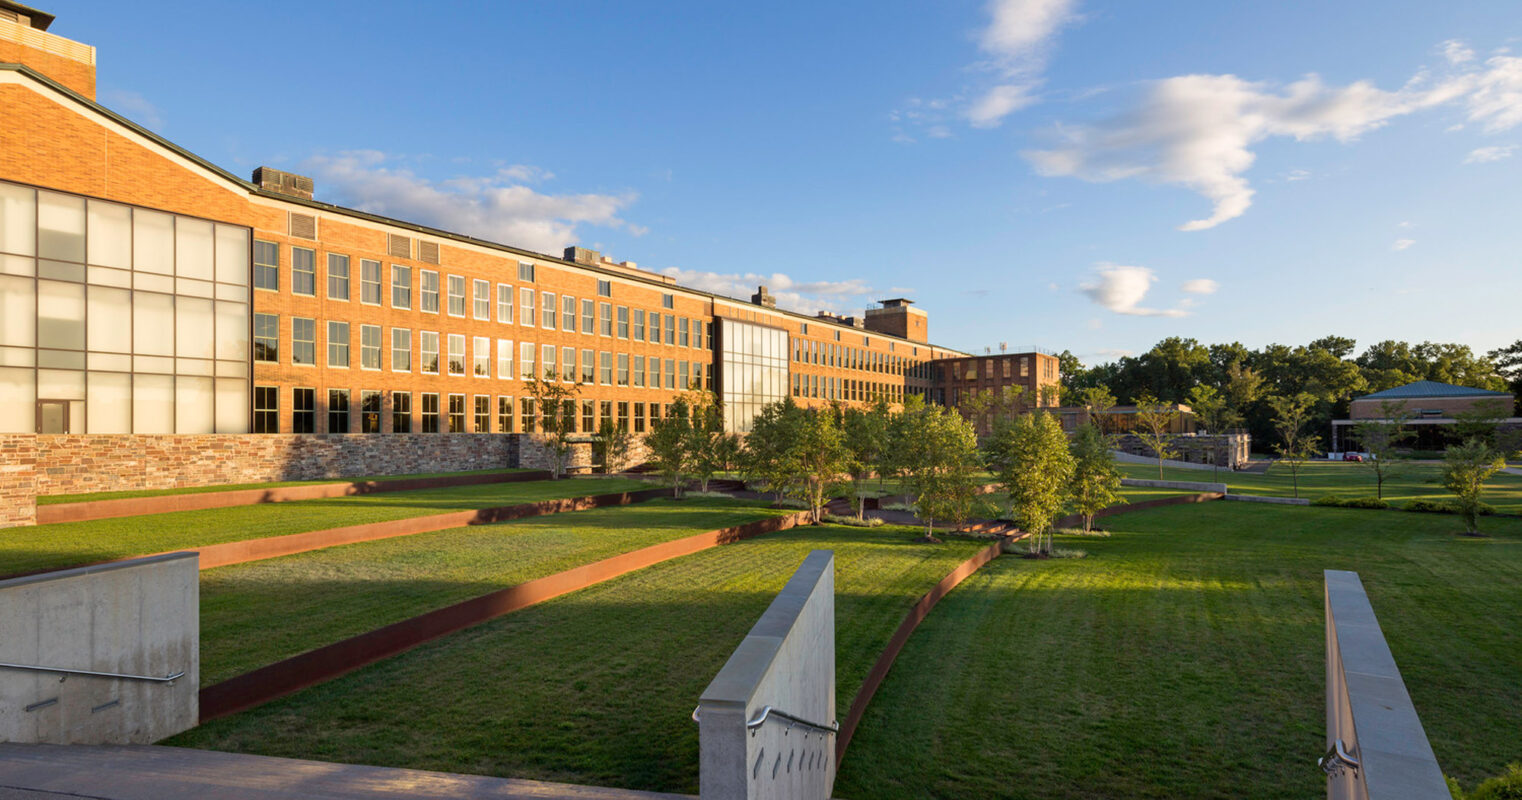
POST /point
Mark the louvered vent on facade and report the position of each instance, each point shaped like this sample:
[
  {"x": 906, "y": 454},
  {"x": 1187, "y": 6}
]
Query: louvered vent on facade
[
  {"x": 428, "y": 252},
  {"x": 303, "y": 226},
  {"x": 399, "y": 246}
]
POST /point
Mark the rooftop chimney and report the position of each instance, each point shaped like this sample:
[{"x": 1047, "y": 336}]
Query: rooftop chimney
[
  {"x": 287, "y": 183},
  {"x": 763, "y": 298}
]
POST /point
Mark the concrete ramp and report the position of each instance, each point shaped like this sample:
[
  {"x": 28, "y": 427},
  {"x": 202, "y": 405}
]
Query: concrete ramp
[{"x": 147, "y": 772}]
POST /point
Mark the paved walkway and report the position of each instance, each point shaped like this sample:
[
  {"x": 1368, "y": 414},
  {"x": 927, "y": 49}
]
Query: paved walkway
[{"x": 53, "y": 772}]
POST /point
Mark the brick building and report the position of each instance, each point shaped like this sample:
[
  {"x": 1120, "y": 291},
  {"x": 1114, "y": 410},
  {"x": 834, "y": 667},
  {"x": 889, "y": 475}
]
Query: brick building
[
  {"x": 1432, "y": 408},
  {"x": 147, "y": 291}
]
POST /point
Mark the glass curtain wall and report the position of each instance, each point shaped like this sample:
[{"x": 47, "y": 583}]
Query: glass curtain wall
[
  {"x": 753, "y": 370},
  {"x": 117, "y": 319}
]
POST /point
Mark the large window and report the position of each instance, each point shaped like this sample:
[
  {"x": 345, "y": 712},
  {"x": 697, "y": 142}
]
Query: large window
[
  {"x": 623, "y": 322},
  {"x": 655, "y": 327},
  {"x": 568, "y": 313},
  {"x": 430, "y": 413},
  {"x": 547, "y": 309},
  {"x": 338, "y": 277},
  {"x": 428, "y": 343},
  {"x": 480, "y": 357},
  {"x": 369, "y": 411},
  {"x": 605, "y": 319},
  {"x": 267, "y": 266},
  {"x": 369, "y": 282},
  {"x": 267, "y": 338},
  {"x": 483, "y": 413},
  {"x": 456, "y": 295},
  {"x": 428, "y": 291},
  {"x": 504, "y": 415},
  {"x": 457, "y": 413},
  {"x": 303, "y": 340},
  {"x": 639, "y": 371},
  {"x": 639, "y": 324},
  {"x": 401, "y": 349},
  {"x": 401, "y": 286},
  {"x": 525, "y": 272},
  {"x": 338, "y": 411},
  {"x": 338, "y": 344},
  {"x": 526, "y": 360},
  {"x": 605, "y": 368},
  {"x": 587, "y": 323},
  {"x": 456, "y": 354},
  {"x": 568, "y": 364},
  {"x": 401, "y": 412},
  {"x": 753, "y": 370},
  {"x": 304, "y": 271},
  {"x": 587, "y": 367},
  {"x": 266, "y": 409},
  {"x": 670, "y": 329},
  {"x": 481, "y": 300},
  {"x": 547, "y": 362},
  {"x": 504, "y": 304},
  {"x": 369, "y": 347},
  {"x": 504, "y": 359},
  {"x": 526, "y": 305},
  {"x": 303, "y": 410},
  {"x": 623, "y": 369}
]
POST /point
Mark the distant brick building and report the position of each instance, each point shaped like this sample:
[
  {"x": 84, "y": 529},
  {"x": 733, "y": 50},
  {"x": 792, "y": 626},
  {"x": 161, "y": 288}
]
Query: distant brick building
[{"x": 1433, "y": 408}]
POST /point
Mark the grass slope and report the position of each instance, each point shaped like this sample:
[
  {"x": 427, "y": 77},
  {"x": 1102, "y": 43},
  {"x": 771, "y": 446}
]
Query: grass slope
[
  {"x": 595, "y": 687},
  {"x": 70, "y": 543},
  {"x": 55, "y": 499},
  {"x": 1185, "y": 658},
  {"x": 258, "y": 613}
]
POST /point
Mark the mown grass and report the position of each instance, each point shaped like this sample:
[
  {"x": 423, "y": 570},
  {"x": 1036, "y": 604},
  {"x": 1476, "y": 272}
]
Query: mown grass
[
  {"x": 1185, "y": 658},
  {"x": 55, "y": 499},
  {"x": 258, "y": 613},
  {"x": 1318, "y": 478},
  {"x": 595, "y": 687},
  {"x": 71, "y": 543}
]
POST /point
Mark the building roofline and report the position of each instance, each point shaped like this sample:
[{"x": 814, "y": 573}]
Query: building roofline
[
  {"x": 255, "y": 190},
  {"x": 42, "y": 18}
]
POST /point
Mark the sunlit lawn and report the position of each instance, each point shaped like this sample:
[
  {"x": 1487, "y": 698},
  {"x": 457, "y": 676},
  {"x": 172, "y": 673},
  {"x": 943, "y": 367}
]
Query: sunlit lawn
[
  {"x": 1184, "y": 657},
  {"x": 54, "y": 499},
  {"x": 71, "y": 543}
]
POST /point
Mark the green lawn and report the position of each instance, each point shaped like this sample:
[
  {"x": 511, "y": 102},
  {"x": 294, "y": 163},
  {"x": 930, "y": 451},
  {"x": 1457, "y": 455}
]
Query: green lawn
[
  {"x": 260, "y": 612},
  {"x": 1185, "y": 658},
  {"x": 54, "y": 499},
  {"x": 597, "y": 686},
  {"x": 1318, "y": 478},
  {"x": 70, "y": 543}
]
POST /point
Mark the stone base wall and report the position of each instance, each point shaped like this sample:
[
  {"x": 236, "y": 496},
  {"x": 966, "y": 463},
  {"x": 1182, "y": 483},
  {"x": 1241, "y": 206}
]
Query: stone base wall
[
  {"x": 1229, "y": 450},
  {"x": 18, "y": 480},
  {"x": 532, "y": 451}
]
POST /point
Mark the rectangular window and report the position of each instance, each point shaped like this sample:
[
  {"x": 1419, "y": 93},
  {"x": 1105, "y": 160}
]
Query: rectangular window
[
  {"x": 623, "y": 369},
  {"x": 623, "y": 415},
  {"x": 568, "y": 364},
  {"x": 670, "y": 329},
  {"x": 504, "y": 415},
  {"x": 639, "y": 324},
  {"x": 668, "y": 301},
  {"x": 547, "y": 362},
  {"x": 401, "y": 350},
  {"x": 526, "y": 409},
  {"x": 697, "y": 333},
  {"x": 586, "y": 316},
  {"x": 267, "y": 338},
  {"x": 369, "y": 346},
  {"x": 547, "y": 311},
  {"x": 639, "y": 371},
  {"x": 338, "y": 344},
  {"x": 605, "y": 371},
  {"x": 684, "y": 380},
  {"x": 266, "y": 409},
  {"x": 338, "y": 277},
  {"x": 304, "y": 271},
  {"x": 483, "y": 414},
  {"x": 670, "y": 373},
  {"x": 369, "y": 282},
  {"x": 639, "y": 417},
  {"x": 605, "y": 319},
  {"x": 623, "y": 322},
  {"x": 526, "y": 360},
  {"x": 401, "y": 286},
  {"x": 607, "y": 411},
  {"x": 369, "y": 411},
  {"x": 480, "y": 357},
  {"x": 303, "y": 340},
  {"x": 505, "y": 360},
  {"x": 481, "y": 300},
  {"x": 504, "y": 304},
  {"x": 303, "y": 411},
  {"x": 681, "y": 332},
  {"x": 525, "y": 272},
  {"x": 401, "y": 412},
  {"x": 457, "y": 297},
  {"x": 604, "y": 288},
  {"x": 655, "y": 327},
  {"x": 526, "y": 305},
  {"x": 428, "y": 291},
  {"x": 456, "y": 354},
  {"x": 338, "y": 411},
  {"x": 266, "y": 267},
  {"x": 587, "y": 367},
  {"x": 568, "y": 313},
  {"x": 428, "y": 342},
  {"x": 430, "y": 413},
  {"x": 588, "y": 416}
]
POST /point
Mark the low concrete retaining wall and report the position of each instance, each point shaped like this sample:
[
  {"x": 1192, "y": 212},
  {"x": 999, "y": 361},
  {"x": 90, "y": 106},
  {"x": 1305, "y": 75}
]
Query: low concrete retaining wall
[
  {"x": 1188, "y": 486},
  {"x": 1074, "y": 520},
  {"x": 786, "y": 664},
  {"x": 1259, "y": 498},
  {"x": 325, "y": 663},
  {"x": 138, "y": 506},
  {"x": 133, "y": 618},
  {"x": 1368, "y": 711}
]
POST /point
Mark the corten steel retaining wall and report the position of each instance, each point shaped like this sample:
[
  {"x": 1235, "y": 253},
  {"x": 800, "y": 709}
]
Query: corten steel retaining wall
[
  {"x": 139, "y": 506},
  {"x": 922, "y": 607},
  {"x": 325, "y": 663}
]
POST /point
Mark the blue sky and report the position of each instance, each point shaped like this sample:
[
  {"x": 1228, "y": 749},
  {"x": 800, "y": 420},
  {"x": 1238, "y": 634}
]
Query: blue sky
[{"x": 1067, "y": 173}]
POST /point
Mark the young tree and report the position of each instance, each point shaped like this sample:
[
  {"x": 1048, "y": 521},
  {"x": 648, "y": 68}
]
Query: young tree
[
  {"x": 1154, "y": 421},
  {"x": 1380, "y": 437},
  {"x": 1096, "y": 481},
  {"x": 1482, "y": 421},
  {"x": 986, "y": 407},
  {"x": 798, "y": 451},
  {"x": 1098, "y": 401},
  {"x": 712, "y": 448},
  {"x": 1296, "y": 445},
  {"x": 1209, "y": 406},
  {"x": 670, "y": 444},
  {"x": 1466, "y": 467},
  {"x": 902, "y": 430},
  {"x": 613, "y": 443},
  {"x": 556, "y": 401},
  {"x": 941, "y": 460},
  {"x": 866, "y": 441},
  {"x": 1030, "y": 456}
]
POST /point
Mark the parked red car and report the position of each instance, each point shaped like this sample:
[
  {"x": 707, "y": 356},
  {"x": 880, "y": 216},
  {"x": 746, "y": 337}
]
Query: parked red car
[{"x": 1352, "y": 457}]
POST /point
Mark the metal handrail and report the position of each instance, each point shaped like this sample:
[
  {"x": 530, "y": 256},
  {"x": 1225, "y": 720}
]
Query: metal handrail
[
  {"x": 1336, "y": 760},
  {"x": 91, "y": 673},
  {"x": 768, "y": 712}
]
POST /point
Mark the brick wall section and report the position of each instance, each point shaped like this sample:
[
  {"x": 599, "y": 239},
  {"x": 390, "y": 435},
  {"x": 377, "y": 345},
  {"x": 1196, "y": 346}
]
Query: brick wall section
[
  {"x": 531, "y": 451},
  {"x": 76, "y": 75},
  {"x": 1373, "y": 409},
  {"x": 18, "y": 460}
]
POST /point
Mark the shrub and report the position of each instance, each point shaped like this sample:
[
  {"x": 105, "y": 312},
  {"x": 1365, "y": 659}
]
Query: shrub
[
  {"x": 909, "y": 507},
  {"x": 1443, "y": 507},
  {"x": 1096, "y": 532},
  {"x": 869, "y": 522},
  {"x": 1506, "y": 786},
  {"x": 1351, "y": 502},
  {"x": 708, "y": 494}
]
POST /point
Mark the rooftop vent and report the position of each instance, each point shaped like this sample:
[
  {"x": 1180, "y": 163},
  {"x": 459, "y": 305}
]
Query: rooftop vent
[
  {"x": 287, "y": 183},
  {"x": 763, "y": 298},
  {"x": 582, "y": 255}
]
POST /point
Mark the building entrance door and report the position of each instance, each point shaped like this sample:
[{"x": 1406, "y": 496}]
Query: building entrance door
[{"x": 52, "y": 416}]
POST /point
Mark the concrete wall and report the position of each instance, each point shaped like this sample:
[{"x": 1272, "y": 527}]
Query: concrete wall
[
  {"x": 1229, "y": 450},
  {"x": 1368, "y": 708},
  {"x": 1188, "y": 486},
  {"x": 786, "y": 662},
  {"x": 139, "y": 617}
]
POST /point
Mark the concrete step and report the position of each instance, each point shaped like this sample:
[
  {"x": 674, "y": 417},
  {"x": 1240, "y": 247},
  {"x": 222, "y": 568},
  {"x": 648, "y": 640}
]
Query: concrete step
[{"x": 147, "y": 772}]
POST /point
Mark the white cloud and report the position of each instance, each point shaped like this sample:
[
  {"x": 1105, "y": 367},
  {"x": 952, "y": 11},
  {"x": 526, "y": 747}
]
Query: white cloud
[
  {"x": 1485, "y": 155},
  {"x": 133, "y": 106},
  {"x": 1198, "y": 131},
  {"x": 804, "y": 297},
  {"x": 1456, "y": 51},
  {"x": 1121, "y": 289},
  {"x": 1016, "y": 41},
  {"x": 1297, "y": 175},
  {"x": 1200, "y": 286},
  {"x": 998, "y": 103},
  {"x": 498, "y": 207},
  {"x": 1402, "y": 244}
]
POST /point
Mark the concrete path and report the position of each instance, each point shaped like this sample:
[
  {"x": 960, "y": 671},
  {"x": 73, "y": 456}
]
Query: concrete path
[{"x": 143, "y": 772}]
